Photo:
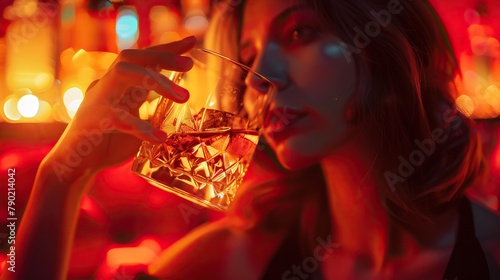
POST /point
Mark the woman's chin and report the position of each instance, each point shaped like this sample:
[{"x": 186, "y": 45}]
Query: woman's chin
[{"x": 294, "y": 158}]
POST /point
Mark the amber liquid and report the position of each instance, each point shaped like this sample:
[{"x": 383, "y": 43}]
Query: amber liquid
[{"x": 205, "y": 167}]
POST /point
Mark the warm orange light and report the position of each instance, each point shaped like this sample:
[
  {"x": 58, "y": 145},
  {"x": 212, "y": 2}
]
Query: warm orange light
[
  {"x": 493, "y": 47},
  {"x": 80, "y": 57},
  {"x": 163, "y": 19},
  {"x": 129, "y": 255},
  {"x": 479, "y": 45},
  {"x": 44, "y": 80},
  {"x": 86, "y": 75},
  {"x": 30, "y": 49},
  {"x": 105, "y": 60},
  {"x": 151, "y": 244},
  {"x": 9, "y": 160},
  {"x": 28, "y": 9},
  {"x": 152, "y": 106},
  {"x": 10, "y": 109},
  {"x": 73, "y": 107},
  {"x": 66, "y": 58},
  {"x": 72, "y": 99},
  {"x": 89, "y": 206},
  {"x": 196, "y": 22},
  {"x": 465, "y": 104},
  {"x": 167, "y": 37},
  {"x": 165, "y": 23},
  {"x": 72, "y": 94},
  {"x": 144, "y": 111},
  {"x": 492, "y": 96},
  {"x": 44, "y": 111},
  {"x": 28, "y": 105}
]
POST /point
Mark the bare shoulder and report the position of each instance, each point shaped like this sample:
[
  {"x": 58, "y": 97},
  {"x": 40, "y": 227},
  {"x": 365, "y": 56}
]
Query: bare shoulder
[{"x": 487, "y": 224}]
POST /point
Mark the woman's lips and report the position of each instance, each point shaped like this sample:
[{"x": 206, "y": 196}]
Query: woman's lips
[{"x": 279, "y": 123}]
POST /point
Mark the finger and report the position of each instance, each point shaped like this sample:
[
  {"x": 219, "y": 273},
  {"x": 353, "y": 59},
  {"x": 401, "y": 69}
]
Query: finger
[
  {"x": 156, "y": 60},
  {"x": 125, "y": 75},
  {"x": 134, "y": 97},
  {"x": 127, "y": 123},
  {"x": 177, "y": 47}
]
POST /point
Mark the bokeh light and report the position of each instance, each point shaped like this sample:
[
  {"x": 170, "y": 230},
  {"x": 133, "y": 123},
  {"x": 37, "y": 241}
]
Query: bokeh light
[
  {"x": 127, "y": 28},
  {"x": 465, "y": 104},
  {"x": 10, "y": 109},
  {"x": 129, "y": 255},
  {"x": 72, "y": 99},
  {"x": 44, "y": 81},
  {"x": 73, "y": 107},
  {"x": 152, "y": 106},
  {"x": 127, "y": 25},
  {"x": 492, "y": 97},
  {"x": 44, "y": 111},
  {"x": 8, "y": 160},
  {"x": 80, "y": 57},
  {"x": 71, "y": 95},
  {"x": 196, "y": 22},
  {"x": 144, "y": 111},
  {"x": 28, "y": 105}
]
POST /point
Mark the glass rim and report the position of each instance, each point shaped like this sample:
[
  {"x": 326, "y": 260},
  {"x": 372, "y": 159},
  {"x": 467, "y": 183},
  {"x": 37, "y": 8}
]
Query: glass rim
[{"x": 237, "y": 63}]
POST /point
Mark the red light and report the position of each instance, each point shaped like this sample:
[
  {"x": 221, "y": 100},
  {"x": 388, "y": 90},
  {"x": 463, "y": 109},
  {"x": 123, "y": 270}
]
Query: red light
[
  {"x": 9, "y": 160},
  {"x": 89, "y": 206}
]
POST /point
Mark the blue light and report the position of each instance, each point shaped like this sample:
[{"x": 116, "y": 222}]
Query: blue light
[{"x": 127, "y": 26}]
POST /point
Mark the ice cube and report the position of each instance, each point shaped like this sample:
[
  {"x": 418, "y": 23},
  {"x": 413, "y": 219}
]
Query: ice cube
[
  {"x": 239, "y": 123},
  {"x": 219, "y": 120},
  {"x": 179, "y": 119},
  {"x": 240, "y": 146},
  {"x": 212, "y": 119}
]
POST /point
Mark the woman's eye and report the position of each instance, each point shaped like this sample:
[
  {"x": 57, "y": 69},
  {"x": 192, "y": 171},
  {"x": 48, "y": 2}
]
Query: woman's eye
[{"x": 302, "y": 34}]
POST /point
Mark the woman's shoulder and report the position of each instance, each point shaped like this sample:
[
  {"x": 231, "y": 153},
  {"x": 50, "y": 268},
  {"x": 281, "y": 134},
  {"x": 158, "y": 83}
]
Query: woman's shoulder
[{"x": 487, "y": 227}]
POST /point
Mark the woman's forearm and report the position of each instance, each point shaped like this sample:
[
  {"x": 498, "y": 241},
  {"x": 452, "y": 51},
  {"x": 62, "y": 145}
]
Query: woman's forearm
[{"x": 45, "y": 235}]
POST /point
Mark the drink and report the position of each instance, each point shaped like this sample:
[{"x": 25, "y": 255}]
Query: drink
[
  {"x": 204, "y": 163},
  {"x": 212, "y": 136}
]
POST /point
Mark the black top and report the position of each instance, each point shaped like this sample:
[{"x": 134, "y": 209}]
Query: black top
[{"x": 467, "y": 261}]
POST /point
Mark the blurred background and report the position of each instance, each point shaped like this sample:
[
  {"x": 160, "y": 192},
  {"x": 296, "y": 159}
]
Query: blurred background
[{"x": 50, "y": 51}]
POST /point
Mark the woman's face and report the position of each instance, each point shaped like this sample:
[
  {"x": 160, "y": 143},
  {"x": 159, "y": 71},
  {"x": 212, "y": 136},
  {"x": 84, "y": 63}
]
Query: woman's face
[{"x": 286, "y": 42}]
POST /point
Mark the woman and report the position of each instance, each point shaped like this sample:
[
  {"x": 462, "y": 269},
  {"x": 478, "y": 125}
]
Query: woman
[{"x": 366, "y": 85}]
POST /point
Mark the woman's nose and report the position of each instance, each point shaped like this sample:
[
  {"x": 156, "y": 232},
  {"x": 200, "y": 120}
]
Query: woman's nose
[{"x": 272, "y": 65}]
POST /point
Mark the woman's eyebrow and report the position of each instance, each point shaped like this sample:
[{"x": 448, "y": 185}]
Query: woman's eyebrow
[{"x": 280, "y": 19}]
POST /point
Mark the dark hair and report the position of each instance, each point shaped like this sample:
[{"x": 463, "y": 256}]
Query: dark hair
[{"x": 405, "y": 83}]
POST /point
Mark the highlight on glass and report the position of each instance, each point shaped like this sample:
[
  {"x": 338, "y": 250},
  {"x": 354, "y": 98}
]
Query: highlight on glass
[{"x": 212, "y": 137}]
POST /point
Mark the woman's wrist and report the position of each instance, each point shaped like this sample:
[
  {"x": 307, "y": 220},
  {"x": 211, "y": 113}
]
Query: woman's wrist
[{"x": 67, "y": 182}]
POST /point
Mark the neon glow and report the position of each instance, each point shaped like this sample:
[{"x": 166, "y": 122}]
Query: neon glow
[{"x": 127, "y": 25}]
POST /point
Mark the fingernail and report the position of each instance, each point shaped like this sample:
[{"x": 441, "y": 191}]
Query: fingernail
[
  {"x": 189, "y": 39},
  {"x": 181, "y": 92},
  {"x": 160, "y": 135},
  {"x": 182, "y": 60}
]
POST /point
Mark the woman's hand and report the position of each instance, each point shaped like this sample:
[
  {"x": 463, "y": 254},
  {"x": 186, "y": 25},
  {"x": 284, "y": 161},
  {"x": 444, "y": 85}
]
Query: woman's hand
[{"x": 106, "y": 130}]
